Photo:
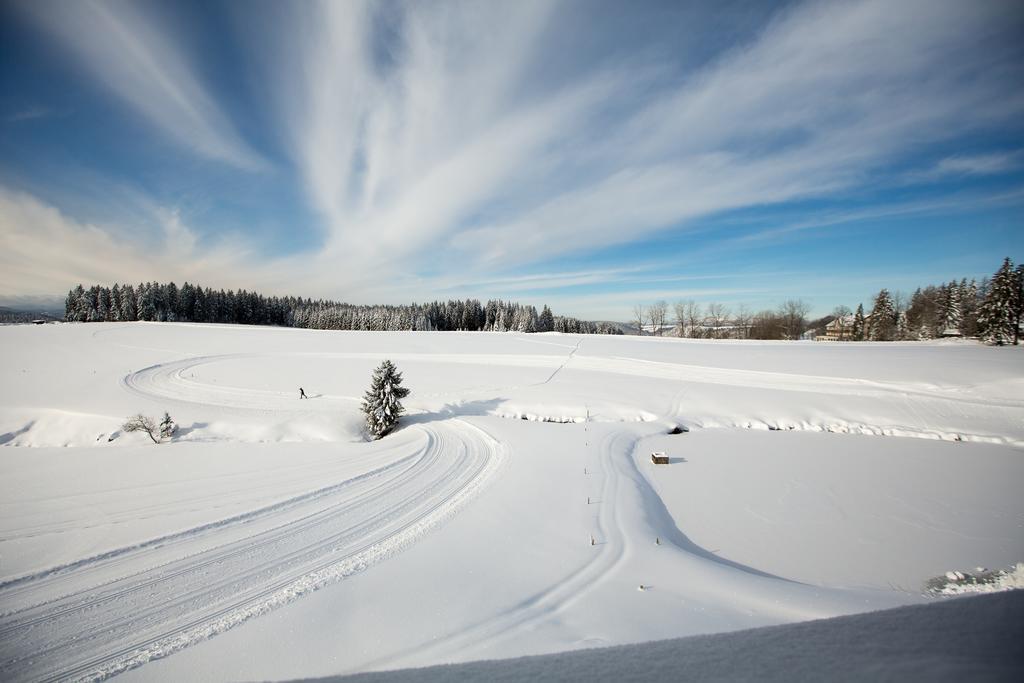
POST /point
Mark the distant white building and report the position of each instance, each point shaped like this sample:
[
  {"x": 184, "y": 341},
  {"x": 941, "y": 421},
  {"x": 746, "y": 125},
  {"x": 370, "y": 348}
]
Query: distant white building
[{"x": 840, "y": 329}]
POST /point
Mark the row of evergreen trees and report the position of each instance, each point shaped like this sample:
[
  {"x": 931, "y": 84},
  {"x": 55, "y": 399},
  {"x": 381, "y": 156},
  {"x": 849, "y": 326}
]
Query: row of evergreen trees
[
  {"x": 191, "y": 303},
  {"x": 992, "y": 311}
]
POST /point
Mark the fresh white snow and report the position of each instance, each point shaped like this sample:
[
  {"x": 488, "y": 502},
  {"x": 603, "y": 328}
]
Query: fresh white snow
[
  {"x": 515, "y": 512},
  {"x": 976, "y": 639}
]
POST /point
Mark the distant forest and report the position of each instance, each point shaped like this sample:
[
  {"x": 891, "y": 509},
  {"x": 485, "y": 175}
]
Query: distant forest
[
  {"x": 991, "y": 310},
  {"x": 192, "y": 303}
]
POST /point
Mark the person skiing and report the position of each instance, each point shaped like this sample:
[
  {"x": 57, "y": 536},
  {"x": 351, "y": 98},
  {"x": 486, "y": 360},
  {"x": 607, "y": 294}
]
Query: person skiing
[{"x": 302, "y": 393}]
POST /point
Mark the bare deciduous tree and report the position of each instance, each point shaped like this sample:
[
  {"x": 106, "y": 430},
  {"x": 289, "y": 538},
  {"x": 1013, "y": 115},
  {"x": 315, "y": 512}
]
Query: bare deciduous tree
[
  {"x": 743, "y": 320},
  {"x": 141, "y": 423},
  {"x": 899, "y": 302},
  {"x": 693, "y": 318},
  {"x": 794, "y": 317},
  {"x": 658, "y": 313},
  {"x": 639, "y": 315},
  {"x": 679, "y": 308},
  {"x": 766, "y": 325},
  {"x": 719, "y": 317}
]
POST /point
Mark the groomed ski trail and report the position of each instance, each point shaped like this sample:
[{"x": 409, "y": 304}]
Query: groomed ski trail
[
  {"x": 611, "y": 546},
  {"x": 147, "y": 611}
]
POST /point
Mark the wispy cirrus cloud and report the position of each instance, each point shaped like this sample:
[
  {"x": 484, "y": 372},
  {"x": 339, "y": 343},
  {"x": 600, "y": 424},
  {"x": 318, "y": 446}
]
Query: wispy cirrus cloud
[
  {"x": 824, "y": 96},
  {"x": 958, "y": 202},
  {"x": 446, "y": 146},
  {"x": 979, "y": 164},
  {"x": 31, "y": 113},
  {"x": 125, "y": 50}
]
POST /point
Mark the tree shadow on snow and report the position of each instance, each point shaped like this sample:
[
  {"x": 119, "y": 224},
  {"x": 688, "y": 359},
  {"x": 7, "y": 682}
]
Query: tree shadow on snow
[
  {"x": 195, "y": 426},
  {"x": 450, "y": 410},
  {"x": 661, "y": 518},
  {"x": 11, "y": 436}
]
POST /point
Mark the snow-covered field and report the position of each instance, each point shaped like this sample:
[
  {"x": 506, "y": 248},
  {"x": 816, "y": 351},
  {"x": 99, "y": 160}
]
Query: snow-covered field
[{"x": 516, "y": 512}]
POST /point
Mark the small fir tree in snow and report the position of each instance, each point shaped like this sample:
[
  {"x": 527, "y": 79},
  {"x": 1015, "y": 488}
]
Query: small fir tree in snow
[
  {"x": 382, "y": 402},
  {"x": 167, "y": 426}
]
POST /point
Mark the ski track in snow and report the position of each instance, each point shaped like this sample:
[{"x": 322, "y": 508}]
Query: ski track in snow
[
  {"x": 103, "y": 628},
  {"x": 171, "y": 382},
  {"x": 611, "y": 545}
]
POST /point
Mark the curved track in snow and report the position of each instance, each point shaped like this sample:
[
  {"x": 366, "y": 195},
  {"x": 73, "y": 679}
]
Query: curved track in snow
[
  {"x": 172, "y": 383},
  {"x": 611, "y": 544},
  {"x": 118, "y": 616}
]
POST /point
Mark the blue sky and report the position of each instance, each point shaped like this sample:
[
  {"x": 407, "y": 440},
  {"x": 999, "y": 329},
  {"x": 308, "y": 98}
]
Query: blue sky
[{"x": 589, "y": 155}]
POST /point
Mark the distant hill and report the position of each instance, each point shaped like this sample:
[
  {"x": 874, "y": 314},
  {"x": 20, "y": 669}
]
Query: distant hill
[{"x": 10, "y": 315}]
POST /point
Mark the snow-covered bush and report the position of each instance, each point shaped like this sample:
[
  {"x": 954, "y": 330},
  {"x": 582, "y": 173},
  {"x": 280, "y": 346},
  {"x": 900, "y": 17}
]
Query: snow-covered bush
[{"x": 382, "y": 401}]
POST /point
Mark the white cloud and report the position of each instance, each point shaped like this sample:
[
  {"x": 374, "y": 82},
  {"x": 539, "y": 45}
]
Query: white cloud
[
  {"x": 45, "y": 252},
  {"x": 127, "y": 52},
  {"x": 826, "y": 95},
  {"x": 956, "y": 202},
  {"x": 442, "y": 145},
  {"x": 979, "y": 164},
  {"x": 443, "y": 154}
]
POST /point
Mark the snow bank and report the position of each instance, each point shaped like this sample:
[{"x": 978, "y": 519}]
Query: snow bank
[
  {"x": 977, "y": 639},
  {"x": 979, "y": 581}
]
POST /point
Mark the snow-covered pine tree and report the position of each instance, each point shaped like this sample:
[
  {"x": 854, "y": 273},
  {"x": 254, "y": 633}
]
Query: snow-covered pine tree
[
  {"x": 1018, "y": 302},
  {"x": 968, "y": 308},
  {"x": 882, "y": 326},
  {"x": 128, "y": 303},
  {"x": 546, "y": 320},
  {"x": 998, "y": 315},
  {"x": 115, "y": 302},
  {"x": 382, "y": 402},
  {"x": 951, "y": 310},
  {"x": 902, "y": 327},
  {"x": 102, "y": 304},
  {"x": 73, "y": 306},
  {"x": 167, "y": 426},
  {"x": 857, "y": 333}
]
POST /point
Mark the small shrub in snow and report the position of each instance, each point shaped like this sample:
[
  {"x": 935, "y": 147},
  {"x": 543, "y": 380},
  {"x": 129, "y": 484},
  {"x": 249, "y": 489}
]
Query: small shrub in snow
[
  {"x": 142, "y": 423},
  {"x": 382, "y": 403}
]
